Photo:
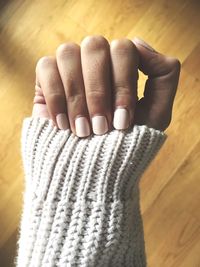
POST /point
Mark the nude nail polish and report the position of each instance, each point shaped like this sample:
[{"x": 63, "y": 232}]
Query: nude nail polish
[
  {"x": 121, "y": 119},
  {"x": 82, "y": 127},
  {"x": 62, "y": 121},
  {"x": 99, "y": 125}
]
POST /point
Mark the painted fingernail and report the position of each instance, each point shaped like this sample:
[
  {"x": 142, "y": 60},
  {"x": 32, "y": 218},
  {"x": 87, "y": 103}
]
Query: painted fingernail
[
  {"x": 121, "y": 119},
  {"x": 82, "y": 127},
  {"x": 144, "y": 44},
  {"x": 62, "y": 121},
  {"x": 99, "y": 125}
]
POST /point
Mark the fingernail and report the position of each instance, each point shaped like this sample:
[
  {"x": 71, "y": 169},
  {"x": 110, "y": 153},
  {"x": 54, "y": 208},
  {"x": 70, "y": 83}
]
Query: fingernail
[
  {"x": 62, "y": 121},
  {"x": 121, "y": 119},
  {"x": 99, "y": 125},
  {"x": 144, "y": 44},
  {"x": 82, "y": 127}
]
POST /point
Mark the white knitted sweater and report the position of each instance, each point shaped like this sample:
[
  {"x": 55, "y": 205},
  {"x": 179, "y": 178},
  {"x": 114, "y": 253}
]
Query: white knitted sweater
[{"x": 81, "y": 200}]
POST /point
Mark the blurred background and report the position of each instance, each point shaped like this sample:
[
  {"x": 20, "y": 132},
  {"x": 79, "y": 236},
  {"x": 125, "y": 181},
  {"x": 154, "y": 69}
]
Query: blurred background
[{"x": 170, "y": 188}]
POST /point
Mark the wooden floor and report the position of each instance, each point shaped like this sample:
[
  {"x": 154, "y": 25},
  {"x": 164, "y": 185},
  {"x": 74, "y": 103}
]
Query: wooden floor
[{"x": 170, "y": 188}]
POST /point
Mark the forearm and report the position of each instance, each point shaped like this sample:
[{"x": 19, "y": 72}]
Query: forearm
[{"x": 81, "y": 200}]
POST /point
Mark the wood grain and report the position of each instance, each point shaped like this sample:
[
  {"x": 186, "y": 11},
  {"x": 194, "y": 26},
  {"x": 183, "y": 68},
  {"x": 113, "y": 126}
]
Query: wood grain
[{"x": 170, "y": 191}]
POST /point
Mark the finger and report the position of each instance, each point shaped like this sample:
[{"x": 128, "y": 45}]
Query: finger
[
  {"x": 39, "y": 96},
  {"x": 161, "y": 85},
  {"x": 95, "y": 58},
  {"x": 39, "y": 103},
  {"x": 124, "y": 58},
  {"x": 53, "y": 91},
  {"x": 69, "y": 65}
]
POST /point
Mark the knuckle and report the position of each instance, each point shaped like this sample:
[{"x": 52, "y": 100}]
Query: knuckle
[
  {"x": 122, "y": 44},
  {"x": 123, "y": 96},
  {"x": 67, "y": 49},
  {"x": 44, "y": 62},
  {"x": 122, "y": 90},
  {"x": 94, "y": 42},
  {"x": 96, "y": 94},
  {"x": 76, "y": 98},
  {"x": 174, "y": 64},
  {"x": 54, "y": 98},
  {"x": 72, "y": 90}
]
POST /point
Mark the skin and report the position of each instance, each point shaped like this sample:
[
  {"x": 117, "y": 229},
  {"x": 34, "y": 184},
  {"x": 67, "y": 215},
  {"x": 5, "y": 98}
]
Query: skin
[{"x": 96, "y": 77}]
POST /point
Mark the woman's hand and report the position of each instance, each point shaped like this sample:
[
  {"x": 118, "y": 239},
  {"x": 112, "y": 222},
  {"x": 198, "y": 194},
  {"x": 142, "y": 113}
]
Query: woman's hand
[{"x": 92, "y": 88}]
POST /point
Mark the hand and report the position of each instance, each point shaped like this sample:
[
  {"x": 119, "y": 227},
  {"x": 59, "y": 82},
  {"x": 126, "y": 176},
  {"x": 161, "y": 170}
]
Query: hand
[{"x": 92, "y": 88}]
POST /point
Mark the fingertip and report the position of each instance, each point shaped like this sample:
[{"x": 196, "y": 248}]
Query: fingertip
[
  {"x": 40, "y": 110},
  {"x": 138, "y": 41},
  {"x": 62, "y": 121}
]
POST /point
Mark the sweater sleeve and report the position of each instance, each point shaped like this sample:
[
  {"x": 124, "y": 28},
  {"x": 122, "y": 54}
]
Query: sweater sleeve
[{"x": 81, "y": 196}]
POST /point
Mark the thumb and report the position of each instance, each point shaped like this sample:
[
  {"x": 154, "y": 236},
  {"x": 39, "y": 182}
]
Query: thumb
[{"x": 155, "y": 108}]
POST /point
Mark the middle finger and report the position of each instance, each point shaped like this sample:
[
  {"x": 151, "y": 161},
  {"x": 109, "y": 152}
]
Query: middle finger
[{"x": 95, "y": 58}]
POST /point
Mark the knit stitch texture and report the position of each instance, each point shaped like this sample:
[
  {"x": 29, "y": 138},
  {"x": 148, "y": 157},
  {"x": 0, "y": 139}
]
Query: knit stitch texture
[{"x": 81, "y": 199}]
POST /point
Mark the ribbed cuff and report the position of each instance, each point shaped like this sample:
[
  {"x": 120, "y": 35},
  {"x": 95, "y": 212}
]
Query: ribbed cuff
[
  {"x": 93, "y": 165},
  {"x": 81, "y": 205}
]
